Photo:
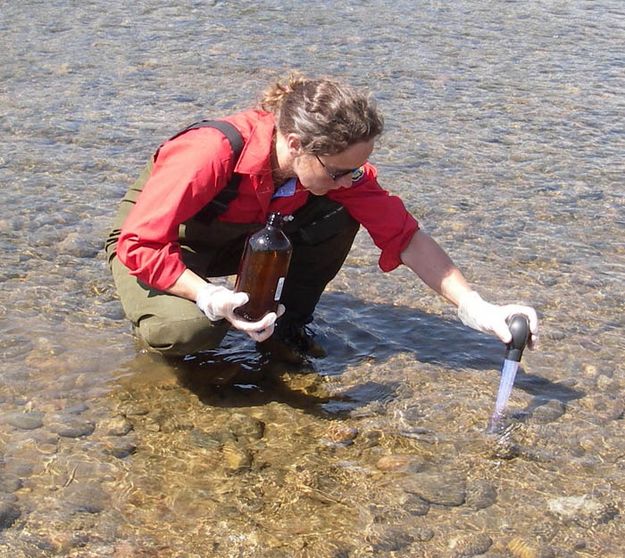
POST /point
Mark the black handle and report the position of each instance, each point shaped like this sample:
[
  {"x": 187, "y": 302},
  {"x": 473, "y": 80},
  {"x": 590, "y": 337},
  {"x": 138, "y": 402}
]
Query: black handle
[{"x": 520, "y": 329}]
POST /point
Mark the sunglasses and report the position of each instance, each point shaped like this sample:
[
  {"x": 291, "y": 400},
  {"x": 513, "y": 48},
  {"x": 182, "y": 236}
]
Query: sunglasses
[{"x": 335, "y": 175}]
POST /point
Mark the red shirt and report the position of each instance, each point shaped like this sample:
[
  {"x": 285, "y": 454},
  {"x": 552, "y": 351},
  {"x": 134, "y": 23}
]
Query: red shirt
[{"x": 191, "y": 169}]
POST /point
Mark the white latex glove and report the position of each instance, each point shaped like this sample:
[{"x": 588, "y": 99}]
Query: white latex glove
[
  {"x": 478, "y": 314},
  {"x": 218, "y": 302}
]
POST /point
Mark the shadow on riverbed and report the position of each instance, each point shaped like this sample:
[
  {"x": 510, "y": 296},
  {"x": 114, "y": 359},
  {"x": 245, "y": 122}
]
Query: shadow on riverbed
[{"x": 354, "y": 333}]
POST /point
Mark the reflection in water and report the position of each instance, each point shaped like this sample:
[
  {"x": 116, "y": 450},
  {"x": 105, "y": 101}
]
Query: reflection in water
[{"x": 503, "y": 136}]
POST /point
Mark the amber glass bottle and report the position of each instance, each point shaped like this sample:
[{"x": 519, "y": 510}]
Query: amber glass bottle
[{"x": 263, "y": 269}]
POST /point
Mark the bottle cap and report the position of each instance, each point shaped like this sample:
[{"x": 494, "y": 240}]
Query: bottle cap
[{"x": 520, "y": 330}]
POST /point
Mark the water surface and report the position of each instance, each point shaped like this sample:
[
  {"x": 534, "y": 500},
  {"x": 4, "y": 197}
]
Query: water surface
[{"x": 504, "y": 136}]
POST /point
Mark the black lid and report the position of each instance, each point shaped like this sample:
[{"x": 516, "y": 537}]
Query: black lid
[{"x": 520, "y": 330}]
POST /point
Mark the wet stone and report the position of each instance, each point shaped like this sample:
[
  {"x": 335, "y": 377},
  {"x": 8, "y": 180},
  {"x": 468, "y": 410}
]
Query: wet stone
[
  {"x": 207, "y": 440},
  {"x": 76, "y": 408},
  {"x": 520, "y": 548},
  {"x": 15, "y": 346},
  {"x": 117, "y": 426},
  {"x": 549, "y": 412},
  {"x": 442, "y": 489},
  {"x": 19, "y": 468},
  {"x": 86, "y": 497},
  {"x": 76, "y": 245},
  {"x": 73, "y": 427},
  {"x": 422, "y": 534},
  {"x": 390, "y": 539},
  {"x": 471, "y": 545},
  {"x": 341, "y": 434},
  {"x": 243, "y": 426},
  {"x": 403, "y": 463},
  {"x": 10, "y": 483},
  {"x": 584, "y": 511},
  {"x": 370, "y": 439},
  {"x": 415, "y": 505},
  {"x": 151, "y": 425},
  {"x": 122, "y": 449},
  {"x": 481, "y": 494},
  {"x": 9, "y": 512},
  {"x": 135, "y": 410},
  {"x": 25, "y": 421},
  {"x": 236, "y": 458}
]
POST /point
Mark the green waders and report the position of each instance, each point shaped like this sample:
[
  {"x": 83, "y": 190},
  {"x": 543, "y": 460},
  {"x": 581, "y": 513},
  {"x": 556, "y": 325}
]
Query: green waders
[{"x": 322, "y": 233}]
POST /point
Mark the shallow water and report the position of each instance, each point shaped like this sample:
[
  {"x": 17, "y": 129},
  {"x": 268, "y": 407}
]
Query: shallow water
[{"x": 504, "y": 136}]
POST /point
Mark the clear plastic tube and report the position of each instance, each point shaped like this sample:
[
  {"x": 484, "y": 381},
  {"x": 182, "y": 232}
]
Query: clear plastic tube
[{"x": 508, "y": 373}]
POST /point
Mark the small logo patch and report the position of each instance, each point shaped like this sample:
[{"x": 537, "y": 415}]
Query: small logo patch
[{"x": 358, "y": 174}]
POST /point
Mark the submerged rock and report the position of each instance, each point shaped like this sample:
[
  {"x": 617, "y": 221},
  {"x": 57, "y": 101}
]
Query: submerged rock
[
  {"x": 585, "y": 511},
  {"x": 243, "y": 426},
  {"x": 442, "y": 489},
  {"x": 481, "y": 494},
  {"x": 549, "y": 412},
  {"x": 25, "y": 421},
  {"x": 401, "y": 462},
  {"x": 519, "y": 548},
  {"x": 236, "y": 458},
  {"x": 471, "y": 545},
  {"x": 117, "y": 426},
  {"x": 73, "y": 427},
  {"x": 9, "y": 512}
]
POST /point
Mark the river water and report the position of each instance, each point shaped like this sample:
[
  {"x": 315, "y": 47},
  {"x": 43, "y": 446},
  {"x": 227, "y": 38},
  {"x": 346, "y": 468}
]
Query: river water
[{"x": 504, "y": 136}]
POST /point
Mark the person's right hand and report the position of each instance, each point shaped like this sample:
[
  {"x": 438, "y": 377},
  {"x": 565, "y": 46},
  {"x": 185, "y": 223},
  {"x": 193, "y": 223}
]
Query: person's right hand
[{"x": 219, "y": 302}]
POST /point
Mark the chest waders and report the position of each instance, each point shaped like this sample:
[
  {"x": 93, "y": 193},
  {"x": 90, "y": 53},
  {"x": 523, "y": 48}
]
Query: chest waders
[
  {"x": 216, "y": 207},
  {"x": 321, "y": 232}
]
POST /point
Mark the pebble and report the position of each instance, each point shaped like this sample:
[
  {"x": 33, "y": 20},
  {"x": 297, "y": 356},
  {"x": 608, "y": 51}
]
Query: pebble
[
  {"x": 518, "y": 548},
  {"x": 471, "y": 545},
  {"x": 390, "y": 539},
  {"x": 151, "y": 425},
  {"x": 400, "y": 462},
  {"x": 549, "y": 412},
  {"x": 26, "y": 421},
  {"x": 9, "y": 512},
  {"x": 481, "y": 494},
  {"x": 605, "y": 383},
  {"x": 86, "y": 497},
  {"x": 77, "y": 245},
  {"x": 117, "y": 426},
  {"x": 584, "y": 511},
  {"x": 122, "y": 448},
  {"x": 132, "y": 409},
  {"x": 243, "y": 426},
  {"x": 236, "y": 458},
  {"x": 422, "y": 534},
  {"x": 73, "y": 427},
  {"x": 76, "y": 408},
  {"x": 442, "y": 489},
  {"x": 415, "y": 505},
  {"x": 206, "y": 440},
  {"x": 10, "y": 483},
  {"x": 341, "y": 434}
]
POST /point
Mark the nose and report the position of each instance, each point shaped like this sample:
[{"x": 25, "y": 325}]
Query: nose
[{"x": 344, "y": 181}]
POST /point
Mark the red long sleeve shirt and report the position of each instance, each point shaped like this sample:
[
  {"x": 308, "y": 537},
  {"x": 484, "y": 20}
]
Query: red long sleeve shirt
[{"x": 191, "y": 169}]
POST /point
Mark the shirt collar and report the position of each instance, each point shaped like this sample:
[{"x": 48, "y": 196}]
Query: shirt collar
[{"x": 255, "y": 158}]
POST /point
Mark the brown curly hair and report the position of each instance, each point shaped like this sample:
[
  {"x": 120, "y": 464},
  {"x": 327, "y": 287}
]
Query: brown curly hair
[{"x": 328, "y": 116}]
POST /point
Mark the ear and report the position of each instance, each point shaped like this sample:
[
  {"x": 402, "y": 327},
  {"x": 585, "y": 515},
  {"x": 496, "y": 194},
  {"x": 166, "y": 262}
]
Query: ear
[{"x": 294, "y": 144}]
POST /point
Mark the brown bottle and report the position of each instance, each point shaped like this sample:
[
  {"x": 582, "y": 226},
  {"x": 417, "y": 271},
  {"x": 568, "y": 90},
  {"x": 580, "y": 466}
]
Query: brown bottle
[{"x": 263, "y": 269}]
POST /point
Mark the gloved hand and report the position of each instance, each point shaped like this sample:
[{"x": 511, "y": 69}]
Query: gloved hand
[
  {"x": 478, "y": 314},
  {"x": 218, "y": 302}
]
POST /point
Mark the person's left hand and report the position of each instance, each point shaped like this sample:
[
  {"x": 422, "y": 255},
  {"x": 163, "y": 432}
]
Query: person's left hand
[{"x": 483, "y": 316}]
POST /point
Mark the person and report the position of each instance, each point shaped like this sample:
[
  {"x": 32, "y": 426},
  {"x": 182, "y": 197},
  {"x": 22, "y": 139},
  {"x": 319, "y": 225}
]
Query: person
[{"x": 305, "y": 152}]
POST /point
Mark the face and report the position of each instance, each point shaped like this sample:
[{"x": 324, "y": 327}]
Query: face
[{"x": 321, "y": 173}]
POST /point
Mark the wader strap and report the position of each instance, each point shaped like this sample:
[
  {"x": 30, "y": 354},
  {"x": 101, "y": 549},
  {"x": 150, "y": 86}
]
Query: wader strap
[{"x": 220, "y": 202}]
